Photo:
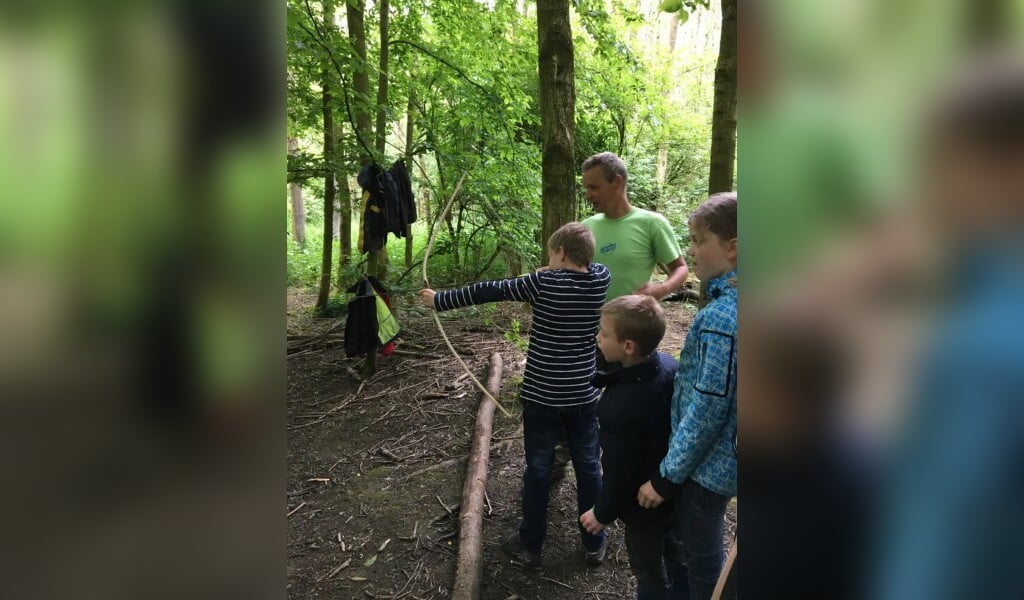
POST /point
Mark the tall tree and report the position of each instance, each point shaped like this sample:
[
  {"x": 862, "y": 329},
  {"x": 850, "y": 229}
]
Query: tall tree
[
  {"x": 345, "y": 207},
  {"x": 557, "y": 110},
  {"x": 298, "y": 204},
  {"x": 326, "y": 84},
  {"x": 661, "y": 166},
  {"x": 344, "y": 204},
  {"x": 723, "y": 120},
  {"x": 382, "y": 81},
  {"x": 377, "y": 264},
  {"x": 360, "y": 78},
  {"x": 410, "y": 106}
]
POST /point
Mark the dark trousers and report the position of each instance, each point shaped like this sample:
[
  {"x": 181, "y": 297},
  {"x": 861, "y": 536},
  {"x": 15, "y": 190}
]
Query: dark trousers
[
  {"x": 561, "y": 451},
  {"x": 543, "y": 427},
  {"x": 653, "y": 553},
  {"x": 698, "y": 524}
]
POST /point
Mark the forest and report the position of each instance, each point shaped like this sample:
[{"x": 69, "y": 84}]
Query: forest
[
  {"x": 452, "y": 88},
  {"x": 490, "y": 106}
]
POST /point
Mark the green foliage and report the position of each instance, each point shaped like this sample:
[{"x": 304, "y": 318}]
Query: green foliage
[
  {"x": 336, "y": 307},
  {"x": 303, "y": 264},
  {"x": 470, "y": 70},
  {"x": 514, "y": 335}
]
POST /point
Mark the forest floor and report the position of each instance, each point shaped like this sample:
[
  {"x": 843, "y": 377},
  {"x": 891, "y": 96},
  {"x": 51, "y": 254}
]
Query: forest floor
[{"x": 359, "y": 526}]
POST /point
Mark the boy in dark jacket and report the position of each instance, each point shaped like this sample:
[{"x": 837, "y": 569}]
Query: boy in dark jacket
[{"x": 635, "y": 420}]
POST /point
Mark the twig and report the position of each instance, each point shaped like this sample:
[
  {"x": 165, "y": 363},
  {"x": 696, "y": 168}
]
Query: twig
[
  {"x": 488, "y": 499},
  {"x": 505, "y": 439},
  {"x": 416, "y": 354},
  {"x": 335, "y": 571},
  {"x": 295, "y": 509},
  {"x": 443, "y": 505},
  {"x": 352, "y": 373},
  {"x": 565, "y": 585},
  {"x": 443, "y": 464},
  {"x": 379, "y": 419},
  {"x": 389, "y": 454}
]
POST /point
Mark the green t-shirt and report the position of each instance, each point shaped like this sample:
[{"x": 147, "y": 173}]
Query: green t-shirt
[{"x": 631, "y": 246}]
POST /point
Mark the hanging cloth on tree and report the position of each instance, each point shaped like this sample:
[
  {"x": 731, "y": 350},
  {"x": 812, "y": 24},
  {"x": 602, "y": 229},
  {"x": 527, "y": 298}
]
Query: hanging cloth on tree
[
  {"x": 370, "y": 324},
  {"x": 388, "y": 204},
  {"x": 407, "y": 202},
  {"x": 375, "y": 228}
]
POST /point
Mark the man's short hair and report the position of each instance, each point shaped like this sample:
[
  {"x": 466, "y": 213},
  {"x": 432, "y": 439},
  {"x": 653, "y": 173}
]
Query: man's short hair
[
  {"x": 577, "y": 240},
  {"x": 637, "y": 318},
  {"x": 610, "y": 164}
]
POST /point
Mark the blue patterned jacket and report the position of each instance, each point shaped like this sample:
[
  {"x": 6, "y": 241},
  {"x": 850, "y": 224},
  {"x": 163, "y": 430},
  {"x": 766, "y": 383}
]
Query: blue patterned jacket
[{"x": 703, "y": 442}]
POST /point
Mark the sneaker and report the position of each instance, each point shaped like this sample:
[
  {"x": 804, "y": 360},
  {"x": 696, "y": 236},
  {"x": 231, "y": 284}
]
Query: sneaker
[
  {"x": 595, "y": 558},
  {"x": 513, "y": 546}
]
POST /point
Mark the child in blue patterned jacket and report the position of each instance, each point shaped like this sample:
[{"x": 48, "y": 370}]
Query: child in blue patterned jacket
[{"x": 699, "y": 471}]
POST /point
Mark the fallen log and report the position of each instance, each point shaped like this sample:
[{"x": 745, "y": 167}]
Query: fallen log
[{"x": 469, "y": 568}]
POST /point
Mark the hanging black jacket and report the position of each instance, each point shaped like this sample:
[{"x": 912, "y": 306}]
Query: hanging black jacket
[
  {"x": 407, "y": 202},
  {"x": 392, "y": 205},
  {"x": 361, "y": 328},
  {"x": 634, "y": 413},
  {"x": 375, "y": 229}
]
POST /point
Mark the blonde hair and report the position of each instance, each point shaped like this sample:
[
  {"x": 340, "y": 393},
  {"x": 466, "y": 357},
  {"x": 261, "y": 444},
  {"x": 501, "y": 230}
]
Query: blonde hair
[
  {"x": 637, "y": 318},
  {"x": 576, "y": 240},
  {"x": 717, "y": 215}
]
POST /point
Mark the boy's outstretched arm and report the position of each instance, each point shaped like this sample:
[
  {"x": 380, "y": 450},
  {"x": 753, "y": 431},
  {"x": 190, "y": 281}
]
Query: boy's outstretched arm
[{"x": 519, "y": 289}]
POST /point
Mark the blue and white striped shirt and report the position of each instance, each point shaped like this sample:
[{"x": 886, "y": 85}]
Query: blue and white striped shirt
[{"x": 560, "y": 359}]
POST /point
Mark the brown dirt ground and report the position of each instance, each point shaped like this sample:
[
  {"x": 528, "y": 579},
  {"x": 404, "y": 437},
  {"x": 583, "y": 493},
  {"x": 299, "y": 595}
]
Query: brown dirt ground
[{"x": 356, "y": 528}]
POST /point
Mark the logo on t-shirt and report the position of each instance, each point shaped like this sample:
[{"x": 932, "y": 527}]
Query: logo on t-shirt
[{"x": 607, "y": 248}]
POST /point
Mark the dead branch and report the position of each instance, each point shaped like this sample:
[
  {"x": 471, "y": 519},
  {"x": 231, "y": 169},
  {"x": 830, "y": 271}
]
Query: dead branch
[{"x": 469, "y": 568}]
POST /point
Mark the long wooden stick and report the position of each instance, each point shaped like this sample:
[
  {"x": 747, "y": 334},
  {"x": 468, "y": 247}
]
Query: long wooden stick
[
  {"x": 470, "y": 566},
  {"x": 437, "y": 320}
]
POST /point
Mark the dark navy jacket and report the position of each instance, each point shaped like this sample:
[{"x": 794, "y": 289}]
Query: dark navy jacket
[{"x": 635, "y": 417}]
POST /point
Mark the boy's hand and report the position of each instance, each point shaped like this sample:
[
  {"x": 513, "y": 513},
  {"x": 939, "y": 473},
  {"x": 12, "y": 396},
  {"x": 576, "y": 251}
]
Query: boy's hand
[
  {"x": 647, "y": 497},
  {"x": 427, "y": 297},
  {"x": 590, "y": 522},
  {"x": 544, "y": 268}
]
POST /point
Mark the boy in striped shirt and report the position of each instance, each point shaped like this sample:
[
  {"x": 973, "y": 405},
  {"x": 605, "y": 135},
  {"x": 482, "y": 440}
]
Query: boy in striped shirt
[{"x": 558, "y": 399}]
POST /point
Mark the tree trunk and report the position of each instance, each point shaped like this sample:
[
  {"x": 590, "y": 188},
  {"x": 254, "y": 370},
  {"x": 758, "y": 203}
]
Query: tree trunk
[
  {"x": 558, "y": 105},
  {"x": 298, "y": 204},
  {"x": 345, "y": 203},
  {"x": 408, "y": 167},
  {"x": 336, "y": 225},
  {"x": 469, "y": 567},
  {"x": 661, "y": 166},
  {"x": 378, "y": 262},
  {"x": 364, "y": 126},
  {"x": 382, "y": 81},
  {"x": 329, "y": 192},
  {"x": 360, "y": 78},
  {"x": 345, "y": 244},
  {"x": 723, "y": 120}
]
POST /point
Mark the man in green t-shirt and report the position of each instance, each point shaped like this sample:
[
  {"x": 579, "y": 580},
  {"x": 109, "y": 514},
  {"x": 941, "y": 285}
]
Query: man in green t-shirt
[{"x": 630, "y": 240}]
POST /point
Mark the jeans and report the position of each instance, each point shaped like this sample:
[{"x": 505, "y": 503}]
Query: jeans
[
  {"x": 561, "y": 451},
  {"x": 699, "y": 520},
  {"x": 543, "y": 427},
  {"x": 651, "y": 549}
]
